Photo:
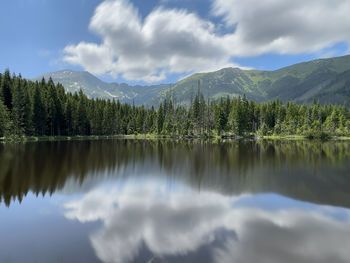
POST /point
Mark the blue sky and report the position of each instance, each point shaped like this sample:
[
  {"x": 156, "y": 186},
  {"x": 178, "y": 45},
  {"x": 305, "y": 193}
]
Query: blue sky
[{"x": 163, "y": 40}]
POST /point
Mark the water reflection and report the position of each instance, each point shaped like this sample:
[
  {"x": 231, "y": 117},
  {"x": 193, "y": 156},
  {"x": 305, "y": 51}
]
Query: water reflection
[
  {"x": 311, "y": 171},
  {"x": 166, "y": 201},
  {"x": 150, "y": 222}
]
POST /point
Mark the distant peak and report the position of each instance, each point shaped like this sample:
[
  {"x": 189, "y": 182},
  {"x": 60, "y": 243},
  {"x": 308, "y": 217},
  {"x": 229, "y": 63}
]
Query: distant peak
[
  {"x": 232, "y": 68},
  {"x": 70, "y": 71},
  {"x": 66, "y": 71}
]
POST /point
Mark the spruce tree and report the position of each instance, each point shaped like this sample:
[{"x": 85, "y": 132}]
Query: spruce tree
[
  {"x": 5, "y": 121},
  {"x": 39, "y": 113},
  {"x": 18, "y": 107},
  {"x": 5, "y": 90},
  {"x": 160, "y": 119}
]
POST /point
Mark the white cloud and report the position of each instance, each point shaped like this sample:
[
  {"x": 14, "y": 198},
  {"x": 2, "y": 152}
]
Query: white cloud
[
  {"x": 93, "y": 206},
  {"x": 96, "y": 59},
  {"x": 181, "y": 222},
  {"x": 172, "y": 41},
  {"x": 284, "y": 26},
  {"x": 169, "y": 224},
  {"x": 165, "y": 42},
  {"x": 287, "y": 236}
]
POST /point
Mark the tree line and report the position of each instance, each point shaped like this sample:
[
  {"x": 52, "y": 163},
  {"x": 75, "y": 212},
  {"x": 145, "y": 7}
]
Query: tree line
[
  {"x": 43, "y": 108},
  {"x": 22, "y": 169}
]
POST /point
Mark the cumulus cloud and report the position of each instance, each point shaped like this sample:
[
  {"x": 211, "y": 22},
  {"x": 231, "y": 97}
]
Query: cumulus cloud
[
  {"x": 174, "y": 41},
  {"x": 165, "y": 42},
  {"x": 283, "y": 26},
  {"x": 180, "y": 222},
  {"x": 287, "y": 236}
]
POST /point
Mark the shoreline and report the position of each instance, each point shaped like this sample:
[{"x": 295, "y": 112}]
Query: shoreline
[{"x": 157, "y": 137}]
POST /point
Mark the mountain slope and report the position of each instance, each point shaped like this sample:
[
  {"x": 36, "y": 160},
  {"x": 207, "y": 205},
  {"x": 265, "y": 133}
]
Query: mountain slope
[
  {"x": 95, "y": 88},
  {"x": 327, "y": 80},
  {"x": 324, "y": 79}
]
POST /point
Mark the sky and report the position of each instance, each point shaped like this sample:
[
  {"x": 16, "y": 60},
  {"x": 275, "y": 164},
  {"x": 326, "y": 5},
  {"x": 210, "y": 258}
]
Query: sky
[{"x": 162, "y": 41}]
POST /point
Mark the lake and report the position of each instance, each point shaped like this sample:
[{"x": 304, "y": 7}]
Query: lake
[{"x": 175, "y": 201}]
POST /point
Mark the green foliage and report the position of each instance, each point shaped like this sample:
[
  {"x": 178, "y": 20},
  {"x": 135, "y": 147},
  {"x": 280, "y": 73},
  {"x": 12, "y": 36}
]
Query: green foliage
[
  {"x": 45, "y": 109},
  {"x": 264, "y": 130},
  {"x": 5, "y": 123},
  {"x": 39, "y": 112},
  {"x": 326, "y": 79},
  {"x": 160, "y": 119},
  {"x": 6, "y": 89}
]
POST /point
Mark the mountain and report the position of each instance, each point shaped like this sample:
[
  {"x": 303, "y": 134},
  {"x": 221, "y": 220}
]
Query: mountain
[
  {"x": 326, "y": 80},
  {"x": 95, "y": 88}
]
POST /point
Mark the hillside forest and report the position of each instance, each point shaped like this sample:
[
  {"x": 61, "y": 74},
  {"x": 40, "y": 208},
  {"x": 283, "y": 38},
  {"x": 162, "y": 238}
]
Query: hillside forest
[{"x": 43, "y": 108}]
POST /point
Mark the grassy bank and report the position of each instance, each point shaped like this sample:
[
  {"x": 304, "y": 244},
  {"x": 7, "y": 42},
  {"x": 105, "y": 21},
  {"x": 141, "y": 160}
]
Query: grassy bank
[
  {"x": 54, "y": 138},
  {"x": 155, "y": 136},
  {"x": 95, "y": 137}
]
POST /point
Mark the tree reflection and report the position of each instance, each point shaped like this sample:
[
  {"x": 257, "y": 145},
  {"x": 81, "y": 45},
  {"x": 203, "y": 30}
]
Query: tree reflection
[{"x": 312, "y": 171}]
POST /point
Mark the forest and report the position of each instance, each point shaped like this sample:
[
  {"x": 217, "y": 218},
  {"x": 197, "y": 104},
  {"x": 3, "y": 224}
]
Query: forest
[{"x": 32, "y": 108}]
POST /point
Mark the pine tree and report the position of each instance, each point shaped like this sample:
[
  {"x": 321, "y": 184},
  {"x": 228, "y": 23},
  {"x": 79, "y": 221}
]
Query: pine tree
[
  {"x": 5, "y": 90},
  {"x": 45, "y": 108},
  {"x": 160, "y": 119},
  {"x": 83, "y": 126},
  {"x": 28, "y": 111},
  {"x": 5, "y": 122},
  {"x": 221, "y": 116},
  {"x": 69, "y": 116},
  {"x": 18, "y": 107},
  {"x": 108, "y": 119},
  {"x": 39, "y": 113},
  {"x": 150, "y": 121}
]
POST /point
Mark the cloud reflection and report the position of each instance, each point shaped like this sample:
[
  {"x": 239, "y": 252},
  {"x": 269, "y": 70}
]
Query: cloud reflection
[{"x": 180, "y": 221}]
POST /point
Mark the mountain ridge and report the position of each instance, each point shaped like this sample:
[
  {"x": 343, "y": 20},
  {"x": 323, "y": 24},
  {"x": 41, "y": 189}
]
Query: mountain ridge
[
  {"x": 94, "y": 87},
  {"x": 326, "y": 79}
]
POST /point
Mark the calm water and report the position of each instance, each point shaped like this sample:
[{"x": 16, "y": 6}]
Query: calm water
[{"x": 166, "y": 201}]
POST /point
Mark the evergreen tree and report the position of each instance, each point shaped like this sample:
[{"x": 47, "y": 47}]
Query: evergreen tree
[
  {"x": 39, "y": 113},
  {"x": 28, "y": 111},
  {"x": 18, "y": 107},
  {"x": 160, "y": 119},
  {"x": 5, "y": 123},
  {"x": 5, "y": 90},
  {"x": 83, "y": 127},
  {"x": 45, "y": 108},
  {"x": 221, "y": 121},
  {"x": 69, "y": 118}
]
